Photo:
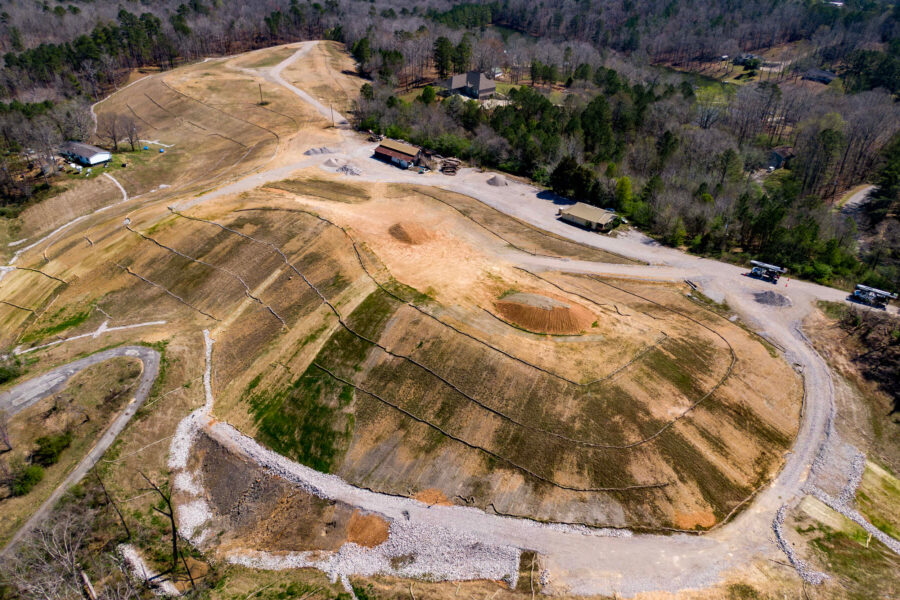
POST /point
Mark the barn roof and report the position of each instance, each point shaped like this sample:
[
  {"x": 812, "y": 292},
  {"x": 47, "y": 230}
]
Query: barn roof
[
  {"x": 402, "y": 148},
  {"x": 589, "y": 213}
]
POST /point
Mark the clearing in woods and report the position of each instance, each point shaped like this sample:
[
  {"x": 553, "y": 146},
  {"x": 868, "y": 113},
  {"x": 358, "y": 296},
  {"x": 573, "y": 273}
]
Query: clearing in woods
[{"x": 348, "y": 315}]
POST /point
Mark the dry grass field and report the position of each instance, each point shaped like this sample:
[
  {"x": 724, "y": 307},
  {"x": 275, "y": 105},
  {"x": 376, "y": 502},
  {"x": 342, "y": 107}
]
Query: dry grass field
[{"x": 384, "y": 333}]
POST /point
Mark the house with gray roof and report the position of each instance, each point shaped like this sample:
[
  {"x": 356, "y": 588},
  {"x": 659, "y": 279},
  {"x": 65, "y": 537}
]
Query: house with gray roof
[{"x": 474, "y": 84}]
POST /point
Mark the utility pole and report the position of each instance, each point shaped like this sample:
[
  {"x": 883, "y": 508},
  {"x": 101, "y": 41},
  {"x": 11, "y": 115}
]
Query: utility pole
[
  {"x": 260, "y": 95},
  {"x": 331, "y": 106}
]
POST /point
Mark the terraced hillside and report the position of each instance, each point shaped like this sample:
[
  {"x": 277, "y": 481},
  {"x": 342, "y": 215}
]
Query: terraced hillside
[{"x": 391, "y": 332}]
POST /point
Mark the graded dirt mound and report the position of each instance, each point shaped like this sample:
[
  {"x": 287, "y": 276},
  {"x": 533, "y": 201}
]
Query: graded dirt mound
[
  {"x": 498, "y": 180},
  {"x": 544, "y": 314},
  {"x": 332, "y": 162},
  {"x": 409, "y": 233},
  {"x": 367, "y": 530},
  {"x": 771, "y": 298}
]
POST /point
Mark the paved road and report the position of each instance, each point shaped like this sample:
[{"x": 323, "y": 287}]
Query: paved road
[{"x": 27, "y": 393}]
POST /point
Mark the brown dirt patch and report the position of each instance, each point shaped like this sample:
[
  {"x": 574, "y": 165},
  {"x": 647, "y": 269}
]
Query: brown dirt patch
[
  {"x": 545, "y": 314},
  {"x": 431, "y": 497},
  {"x": 409, "y": 233},
  {"x": 367, "y": 530},
  {"x": 694, "y": 519}
]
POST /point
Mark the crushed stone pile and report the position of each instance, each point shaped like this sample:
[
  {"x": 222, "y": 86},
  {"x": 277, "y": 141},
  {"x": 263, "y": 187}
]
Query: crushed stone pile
[
  {"x": 320, "y": 150},
  {"x": 771, "y": 298},
  {"x": 332, "y": 162},
  {"x": 498, "y": 180},
  {"x": 349, "y": 169}
]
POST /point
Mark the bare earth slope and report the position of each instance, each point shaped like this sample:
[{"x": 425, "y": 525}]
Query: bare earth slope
[{"x": 366, "y": 352}]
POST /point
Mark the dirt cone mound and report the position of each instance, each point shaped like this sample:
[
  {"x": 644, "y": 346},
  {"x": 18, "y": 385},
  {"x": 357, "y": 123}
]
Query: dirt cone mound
[
  {"x": 544, "y": 314},
  {"x": 409, "y": 233},
  {"x": 498, "y": 181}
]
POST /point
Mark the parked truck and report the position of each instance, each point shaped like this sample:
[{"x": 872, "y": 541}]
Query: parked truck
[
  {"x": 766, "y": 271},
  {"x": 872, "y": 296}
]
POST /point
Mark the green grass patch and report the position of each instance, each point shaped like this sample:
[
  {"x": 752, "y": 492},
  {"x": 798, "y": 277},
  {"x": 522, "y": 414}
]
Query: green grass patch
[
  {"x": 407, "y": 292},
  {"x": 832, "y": 310},
  {"x": 878, "y": 498},
  {"x": 866, "y": 569},
  {"x": 310, "y": 419},
  {"x": 59, "y": 322}
]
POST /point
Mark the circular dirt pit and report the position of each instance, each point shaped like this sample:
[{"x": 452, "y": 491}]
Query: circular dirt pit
[
  {"x": 545, "y": 314},
  {"x": 409, "y": 233},
  {"x": 771, "y": 298}
]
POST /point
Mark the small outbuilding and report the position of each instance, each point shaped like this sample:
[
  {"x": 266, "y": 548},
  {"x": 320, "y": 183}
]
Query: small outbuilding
[
  {"x": 820, "y": 76},
  {"x": 85, "y": 154},
  {"x": 397, "y": 153},
  {"x": 780, "y": 157},
  {"x": 589, "y": 217}
]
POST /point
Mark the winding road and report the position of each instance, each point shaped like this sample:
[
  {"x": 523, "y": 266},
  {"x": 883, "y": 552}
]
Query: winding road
[
  {"x": 578, "y": 562},
  {"x": 27, "y": 393}
]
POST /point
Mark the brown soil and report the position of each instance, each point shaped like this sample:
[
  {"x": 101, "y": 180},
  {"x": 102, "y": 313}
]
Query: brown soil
[
  {"x": 691, "y": 520},
  {"x": 431, "y": 497},
  {"x": 409, "y": 233},
  {"x": 367, "y": 530},
  {"x": 545, "y": 314}
]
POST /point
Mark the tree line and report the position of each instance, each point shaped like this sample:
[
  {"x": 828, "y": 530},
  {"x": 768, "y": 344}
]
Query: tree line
[{"x": 679, "y": 160}]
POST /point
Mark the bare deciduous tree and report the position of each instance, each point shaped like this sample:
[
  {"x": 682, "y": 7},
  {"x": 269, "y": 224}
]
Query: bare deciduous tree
[
  {"x": 129, "y": 126},
  {"x": 109, "y": 128}
]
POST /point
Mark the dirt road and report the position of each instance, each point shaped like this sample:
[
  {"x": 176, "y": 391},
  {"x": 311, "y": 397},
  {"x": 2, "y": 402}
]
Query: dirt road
[
  {"x": 27, "y": 393},
  {"x": 587, "y": 564},
  {"x": 577, "y": 561}
]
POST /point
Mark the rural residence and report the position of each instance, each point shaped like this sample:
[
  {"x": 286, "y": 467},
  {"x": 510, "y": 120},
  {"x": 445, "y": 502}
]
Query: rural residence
[
  {"x": 474, "y": 84},
  {"x": 84, "y": 154}
]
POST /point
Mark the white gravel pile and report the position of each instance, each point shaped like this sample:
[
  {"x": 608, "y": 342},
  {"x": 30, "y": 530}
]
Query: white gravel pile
[
  {"x": 140, "y": 571},
  {"x": 349, "y": 169},
  {"x": 191, "y": 516},
  {"x": 319, "y": 150},
  {"x": 333, "y": 163},
  {"x": 498, "y": 181},
  {"x": 421, "y": 552},
  {"x": 806, "y": 573},
  {"x": 185, "y": 482},
  {"x": 180, "y": 448},
  {"x": 857, "y": 518}
]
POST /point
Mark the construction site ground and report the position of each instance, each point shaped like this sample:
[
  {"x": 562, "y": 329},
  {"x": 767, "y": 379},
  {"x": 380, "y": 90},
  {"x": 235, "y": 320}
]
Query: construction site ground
[{"x": 380, "y": 398}]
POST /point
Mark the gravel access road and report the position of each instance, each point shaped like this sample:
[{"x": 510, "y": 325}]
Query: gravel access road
[
  {"x": 27, "y": 393},
  {"x": 609, "y": 565}
]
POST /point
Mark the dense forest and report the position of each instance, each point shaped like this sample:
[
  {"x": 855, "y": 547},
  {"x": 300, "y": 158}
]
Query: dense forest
[{"x": 601, "y": 103}]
